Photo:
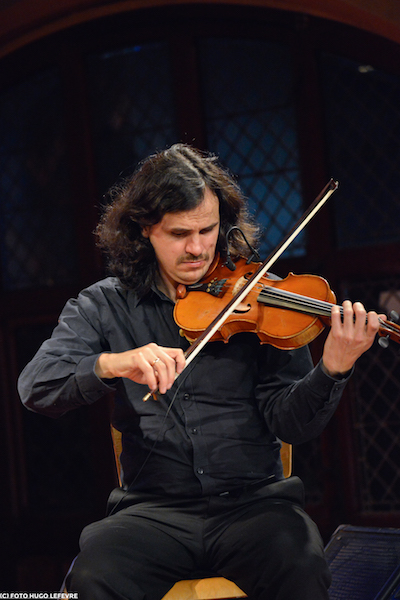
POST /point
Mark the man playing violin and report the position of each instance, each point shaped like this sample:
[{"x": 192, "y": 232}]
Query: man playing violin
[{"x": 203, "y": 489}]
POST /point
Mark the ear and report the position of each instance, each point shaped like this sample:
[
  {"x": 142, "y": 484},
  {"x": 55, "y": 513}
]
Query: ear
[{"x": 145, "y": 231}]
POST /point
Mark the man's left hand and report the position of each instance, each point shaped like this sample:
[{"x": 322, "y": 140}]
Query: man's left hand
[{"x": 351, "y": 334}]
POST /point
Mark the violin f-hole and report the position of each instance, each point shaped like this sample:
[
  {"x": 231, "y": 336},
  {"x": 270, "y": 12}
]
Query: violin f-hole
[{"x": 242, "y": 309}]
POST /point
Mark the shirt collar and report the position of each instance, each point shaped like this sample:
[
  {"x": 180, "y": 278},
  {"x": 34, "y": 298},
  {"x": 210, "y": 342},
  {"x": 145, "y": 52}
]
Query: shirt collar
[{"x": 153, "y": 291}]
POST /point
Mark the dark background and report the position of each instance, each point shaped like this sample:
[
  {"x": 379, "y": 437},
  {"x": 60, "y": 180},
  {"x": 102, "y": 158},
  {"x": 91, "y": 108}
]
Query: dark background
[{"x": 287, "y": 100}]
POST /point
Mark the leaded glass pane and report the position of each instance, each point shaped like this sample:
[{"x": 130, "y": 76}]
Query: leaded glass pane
[
  {"x": 36, "y": 221},
  {"x": 375, "y": 388},
  {"x": 362, "y": 113},
  {"x": 133, "y": 108},
  {"x": 250, "y": 111}
]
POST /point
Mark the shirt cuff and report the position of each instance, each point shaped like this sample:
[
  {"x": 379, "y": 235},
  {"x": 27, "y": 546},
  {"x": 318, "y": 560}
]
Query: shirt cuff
[
  {"x": 339, "y": 376},
  {"x": 323, "y": 383},
  {"x": 90, "y": 385}
]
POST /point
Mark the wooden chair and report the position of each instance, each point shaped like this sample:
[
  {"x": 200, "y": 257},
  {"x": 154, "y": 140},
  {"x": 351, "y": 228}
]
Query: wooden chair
[{"x": 209, "y": 588}]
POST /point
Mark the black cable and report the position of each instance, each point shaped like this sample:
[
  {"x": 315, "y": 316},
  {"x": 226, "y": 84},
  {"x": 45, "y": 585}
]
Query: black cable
[{"x": 254, "y": 254}]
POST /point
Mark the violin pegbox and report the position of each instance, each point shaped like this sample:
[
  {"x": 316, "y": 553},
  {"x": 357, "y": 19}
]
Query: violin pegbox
[{"x": 391, "y": 329}]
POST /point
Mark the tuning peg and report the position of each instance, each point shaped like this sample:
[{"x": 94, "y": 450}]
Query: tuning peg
[{"x": 383, "y": 341}]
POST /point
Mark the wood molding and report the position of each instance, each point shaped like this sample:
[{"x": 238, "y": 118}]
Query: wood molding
[{"x": 24, "y": 22}]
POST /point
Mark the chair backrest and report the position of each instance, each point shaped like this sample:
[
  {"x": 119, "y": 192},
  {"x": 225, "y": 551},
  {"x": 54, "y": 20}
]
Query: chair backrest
[{"x": 286, "y": 453}]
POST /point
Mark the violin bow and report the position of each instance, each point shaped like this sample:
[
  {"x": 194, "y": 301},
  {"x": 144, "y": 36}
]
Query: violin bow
[{"x": 205, "y": 337}]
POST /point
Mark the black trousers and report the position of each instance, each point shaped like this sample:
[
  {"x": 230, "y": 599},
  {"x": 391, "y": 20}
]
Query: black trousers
[{"x": 261, "y": 539}]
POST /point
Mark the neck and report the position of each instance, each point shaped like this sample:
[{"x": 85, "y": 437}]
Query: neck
[{"x": 166, "y": 288}]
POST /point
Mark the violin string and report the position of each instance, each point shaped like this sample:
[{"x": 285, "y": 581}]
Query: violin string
[
  {"x": 298, "y": 301},
  {"x": 389, "y": 325},
  {"x": 302, "y": 301},
  {"x": 318, "y": 307}
]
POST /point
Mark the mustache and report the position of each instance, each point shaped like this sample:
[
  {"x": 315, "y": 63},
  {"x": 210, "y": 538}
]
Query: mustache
[{"x": 192, "y": 257}]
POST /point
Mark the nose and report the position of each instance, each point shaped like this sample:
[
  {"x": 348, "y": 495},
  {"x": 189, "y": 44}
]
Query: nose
[{"x": 194, "y": 245}]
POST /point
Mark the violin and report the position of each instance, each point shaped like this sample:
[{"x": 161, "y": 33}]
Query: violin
[
  {"x": 253, "y": 301},
  {"x": 286, "y": 313}
]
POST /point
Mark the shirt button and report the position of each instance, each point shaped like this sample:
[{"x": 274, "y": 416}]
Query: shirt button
[
  {"x": 186, "y": 396},
  {"x": 200, "y": 470},
  {"x": 194, "y": 430}
]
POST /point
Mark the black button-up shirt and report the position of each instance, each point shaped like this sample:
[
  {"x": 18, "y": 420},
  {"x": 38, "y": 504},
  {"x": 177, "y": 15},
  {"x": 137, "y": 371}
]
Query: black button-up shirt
[{"x": 230, "y": 407}]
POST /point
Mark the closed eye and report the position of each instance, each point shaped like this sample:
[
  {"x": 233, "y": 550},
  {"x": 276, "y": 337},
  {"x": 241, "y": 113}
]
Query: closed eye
[
  {"x": 209, "y": 229},
  {"x": 181, "y": 233}
]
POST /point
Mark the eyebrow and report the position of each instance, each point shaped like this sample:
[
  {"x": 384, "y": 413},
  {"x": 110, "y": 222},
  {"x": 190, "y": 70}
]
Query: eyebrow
[{"x": 185, "y": 230}]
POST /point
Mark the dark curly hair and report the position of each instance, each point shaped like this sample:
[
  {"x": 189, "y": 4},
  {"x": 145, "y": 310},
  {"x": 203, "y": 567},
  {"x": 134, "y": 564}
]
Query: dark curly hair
[{"x": 170, "y": 181}]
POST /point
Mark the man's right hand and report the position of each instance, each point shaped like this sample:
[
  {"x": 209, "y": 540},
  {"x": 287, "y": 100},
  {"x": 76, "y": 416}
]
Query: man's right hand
[{"x": 155, "y": 366}]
